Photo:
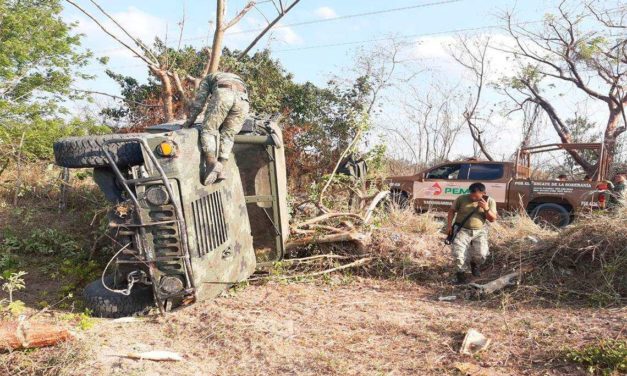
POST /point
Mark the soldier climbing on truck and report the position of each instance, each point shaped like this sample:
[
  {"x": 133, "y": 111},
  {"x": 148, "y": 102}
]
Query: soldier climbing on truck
[{"x": 226, "y": 98}]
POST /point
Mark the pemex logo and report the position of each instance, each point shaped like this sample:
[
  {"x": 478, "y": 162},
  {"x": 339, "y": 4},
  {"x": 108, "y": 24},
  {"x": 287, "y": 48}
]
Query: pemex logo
[{"x": 435, "y": 189}]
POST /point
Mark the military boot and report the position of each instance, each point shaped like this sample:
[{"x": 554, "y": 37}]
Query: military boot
[
  {"x": 223, "y": 174},
  {"x": 212, "y": 169},
  {"x": 475, "y": 269},
  {"x": 460, "y": 278}
]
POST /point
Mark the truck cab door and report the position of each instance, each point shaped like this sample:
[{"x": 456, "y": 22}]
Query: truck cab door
[{"x": 441, "y": 185}]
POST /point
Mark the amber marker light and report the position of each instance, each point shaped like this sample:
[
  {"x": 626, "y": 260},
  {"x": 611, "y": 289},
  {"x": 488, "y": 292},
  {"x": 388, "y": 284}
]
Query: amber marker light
[{"x": 166, "y": 149}]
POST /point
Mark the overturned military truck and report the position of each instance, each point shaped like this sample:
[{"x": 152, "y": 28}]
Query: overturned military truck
[{"x": 177, "y": 240}]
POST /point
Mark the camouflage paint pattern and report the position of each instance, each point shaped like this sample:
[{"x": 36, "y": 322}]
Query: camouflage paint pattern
[
  {"x": 215, "y": 225},
  {"x": 226, "y": 110},
  {"x": 262, "y": 166},
  {"x": 233, "y": 260}
]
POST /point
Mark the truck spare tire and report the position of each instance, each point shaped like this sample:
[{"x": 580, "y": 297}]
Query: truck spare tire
[
  {"x": 82, "y": 152},
  {"x": 109, "y": 304},
  {"x": 554, "y": 215}
]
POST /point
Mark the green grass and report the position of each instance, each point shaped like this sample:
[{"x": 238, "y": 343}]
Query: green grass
[{"x": 604, "y": 358}]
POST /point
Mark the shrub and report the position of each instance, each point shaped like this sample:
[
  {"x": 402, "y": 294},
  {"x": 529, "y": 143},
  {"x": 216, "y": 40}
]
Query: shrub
[
  {"x": 605, "y": 357},
  {"x": 41, "y": 242}
]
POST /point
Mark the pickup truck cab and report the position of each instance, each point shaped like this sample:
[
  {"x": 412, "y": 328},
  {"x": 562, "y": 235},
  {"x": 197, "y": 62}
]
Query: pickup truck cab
[{"x": 510, "y": 184}]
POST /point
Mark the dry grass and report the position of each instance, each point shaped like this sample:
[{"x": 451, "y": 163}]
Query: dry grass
[
  {"x": 365, "y": 327},
  {"x": 407, "y": 221},
  {"x": 64, "y": 359},
  {"x": 518, "y": 227},
  {"x": 402, "y": 245},
  {"x": 582, "y": 263},
  {"x": 408, "y": 245},
  {"x": 381, "y": 318}
]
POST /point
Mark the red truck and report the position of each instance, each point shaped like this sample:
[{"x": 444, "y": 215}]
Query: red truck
[{"x": 511, "y": 184}]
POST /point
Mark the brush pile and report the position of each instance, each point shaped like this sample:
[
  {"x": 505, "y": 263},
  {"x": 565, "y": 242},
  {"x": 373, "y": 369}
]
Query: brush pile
[
  {"x": 584, "y": 261},
  {"x": 396, "y": 243}
]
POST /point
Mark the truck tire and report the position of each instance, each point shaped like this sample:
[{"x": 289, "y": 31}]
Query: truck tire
[
  {"x": 81, "y": 152},
  {"x": 554, "y": 215},
  {"x": 105, "y": 303},
  {"x": 398, "y": 200}
]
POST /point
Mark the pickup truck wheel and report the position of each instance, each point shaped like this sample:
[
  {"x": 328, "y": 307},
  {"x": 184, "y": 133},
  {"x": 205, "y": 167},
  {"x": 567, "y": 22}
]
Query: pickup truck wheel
[
  {"x": 398, "y": 199},
  {"x": 550, "y": 214},
  {"x": 105, "y": 303},
  {"x": 81, "y": 152}
]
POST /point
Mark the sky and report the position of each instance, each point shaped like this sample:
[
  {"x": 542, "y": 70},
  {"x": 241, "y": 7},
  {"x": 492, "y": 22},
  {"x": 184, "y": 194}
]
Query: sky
[
  {"x": 316, "y": 40},
  {"x": 311, "y": 51}
]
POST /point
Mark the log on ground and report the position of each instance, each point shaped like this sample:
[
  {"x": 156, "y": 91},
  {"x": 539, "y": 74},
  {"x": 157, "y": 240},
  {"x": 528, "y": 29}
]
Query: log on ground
[{"x": 27, "y": 335}]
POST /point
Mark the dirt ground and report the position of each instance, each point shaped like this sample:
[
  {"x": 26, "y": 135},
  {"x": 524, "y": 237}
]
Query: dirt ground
[
  {"x": 337, "y": 324},
  {"x": 342, "y": 326}
]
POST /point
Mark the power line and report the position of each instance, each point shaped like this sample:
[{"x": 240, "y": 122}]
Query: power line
[
  {"x": 390, "y": 38},
  {"x": 356, "y": 15},
  {"x": 393, "y": 38},
  {"x": 415, "y": 36},
  {"x": 316, "y": 21},
  {"x": 400, "y": 37}
]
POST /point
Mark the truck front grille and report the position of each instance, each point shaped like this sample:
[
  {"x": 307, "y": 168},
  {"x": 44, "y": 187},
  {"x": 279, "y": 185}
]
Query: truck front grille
[{"x": 209, "y": 223}]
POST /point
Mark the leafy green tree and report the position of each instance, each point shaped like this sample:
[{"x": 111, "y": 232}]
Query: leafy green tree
[
  {"x": 319, "y": 122},
  {"x": 39, "y": 61}
]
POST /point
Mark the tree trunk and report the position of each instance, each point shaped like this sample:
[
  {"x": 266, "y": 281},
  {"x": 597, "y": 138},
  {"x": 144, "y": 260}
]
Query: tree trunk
[
  {"x": 166, "y": 95},
  {"x": 610, "y": 137},
  {"x": 218, "y": 35}
]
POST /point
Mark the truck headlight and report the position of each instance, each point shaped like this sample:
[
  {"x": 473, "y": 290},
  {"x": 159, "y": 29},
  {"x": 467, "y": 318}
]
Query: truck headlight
[
  {"x": 171, "y": 284},
  {"x": 157, "y": 195}
]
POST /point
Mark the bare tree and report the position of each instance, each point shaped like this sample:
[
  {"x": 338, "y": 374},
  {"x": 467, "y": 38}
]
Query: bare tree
[
  {"x": 585, "y": 49},
  {"x": 433, "y": 121},
  {"x": 472, "y": 55},
  {"x": 376, "y": 67},
  {"x": 282, "y": 10},
  {"x": 221, "y": 27}
]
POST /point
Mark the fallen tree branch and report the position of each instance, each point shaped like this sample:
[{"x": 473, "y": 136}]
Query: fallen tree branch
[
  {"x": 302, "y": 259},
  {"x": 353, "y": 264},
  {"x": 27, "y": 335},
  {"x": 361, "y": 239},
  {"x": 326, "y": 216},
  {"x": 373, "y": 205},
  {"x": 326, "y": 228},
  {"x": 500, "y": 283}
]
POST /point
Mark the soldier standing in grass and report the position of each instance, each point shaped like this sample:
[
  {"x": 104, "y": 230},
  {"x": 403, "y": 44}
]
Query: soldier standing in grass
[
  {"x": 227, "y": 107},
  {"x": 470, "y": 212}
]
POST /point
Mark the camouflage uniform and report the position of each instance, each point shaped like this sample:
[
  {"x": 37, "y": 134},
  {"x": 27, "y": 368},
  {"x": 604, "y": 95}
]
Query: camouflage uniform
[
  {"x": 471, "y": 242},
  {"x": 470, "y": 245},
  {"x": 227, "y": 107},
  {"x": 618, "y": 194}
]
